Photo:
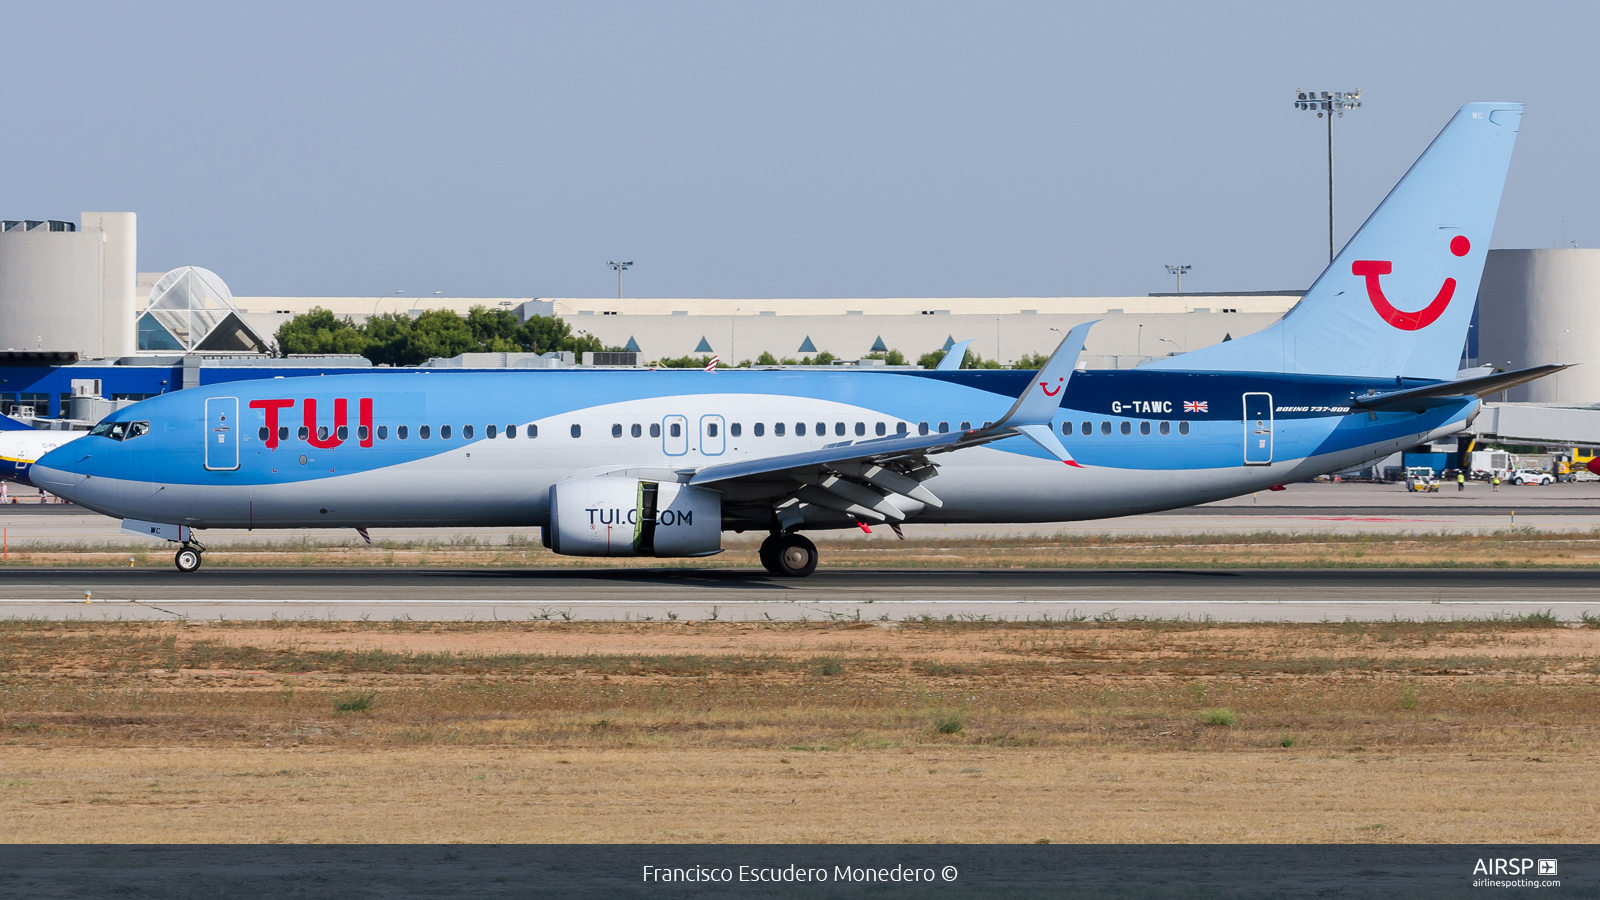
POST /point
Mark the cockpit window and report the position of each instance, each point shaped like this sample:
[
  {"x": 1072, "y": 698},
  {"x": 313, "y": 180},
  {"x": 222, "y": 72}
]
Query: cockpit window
[{"x": 119, "y": 431}]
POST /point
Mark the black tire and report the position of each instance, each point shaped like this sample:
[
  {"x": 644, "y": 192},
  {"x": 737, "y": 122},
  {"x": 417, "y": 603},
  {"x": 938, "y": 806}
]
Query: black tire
[
  {"x": 769, "y": 553},
  {"x": 187, "y": 559},
  {"x": 796, "y": 556}
]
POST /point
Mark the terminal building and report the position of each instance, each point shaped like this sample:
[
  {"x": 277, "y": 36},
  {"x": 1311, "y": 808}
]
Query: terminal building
[{"x": 76, "y": 315}]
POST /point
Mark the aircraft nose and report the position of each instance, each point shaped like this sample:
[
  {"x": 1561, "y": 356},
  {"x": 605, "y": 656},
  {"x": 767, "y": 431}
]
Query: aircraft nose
[{"x": 60, "y": 482}]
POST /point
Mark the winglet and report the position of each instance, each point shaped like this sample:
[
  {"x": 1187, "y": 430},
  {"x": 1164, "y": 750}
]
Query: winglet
[
  {"x": 1041, "y": 399},
  {"x": 953, "y": 357},
  {"x": 1044, "y": 437}
]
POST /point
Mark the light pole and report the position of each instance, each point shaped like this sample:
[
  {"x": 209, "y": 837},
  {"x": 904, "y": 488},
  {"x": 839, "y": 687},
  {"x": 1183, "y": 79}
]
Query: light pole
[
  {"x": 1326, "y": 103},
  {"x": 1179, "y": 270},
  {"x": 620, "y": 267},
  {"x": 1174, "y": 343},
  {"x": 380, "y": 300}
]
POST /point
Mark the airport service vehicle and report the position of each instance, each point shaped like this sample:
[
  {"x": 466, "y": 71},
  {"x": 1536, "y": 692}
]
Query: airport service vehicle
[
  {"x": 21, "y": 446},
  {"x": 661, "y": 463},
  {"x": 1528, "y": 476},
  {"x": 1422, "y": 481}
]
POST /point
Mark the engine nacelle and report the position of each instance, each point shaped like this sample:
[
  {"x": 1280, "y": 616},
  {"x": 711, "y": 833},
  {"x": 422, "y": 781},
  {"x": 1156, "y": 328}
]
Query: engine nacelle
[{"x": 609, "y": 516}]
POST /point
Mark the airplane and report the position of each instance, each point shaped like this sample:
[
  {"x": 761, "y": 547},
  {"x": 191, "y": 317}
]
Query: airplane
[
  {"x": 653, "y": 463},
  {"x": 21, "y": 446}
]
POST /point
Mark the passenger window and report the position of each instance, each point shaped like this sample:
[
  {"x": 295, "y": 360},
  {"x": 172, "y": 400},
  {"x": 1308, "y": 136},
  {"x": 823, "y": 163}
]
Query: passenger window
[
  {"x": 734, "y": 429},
  {"x": 490, "y": 431},
  {"x": 1066, "y": 427},
  {"x": 283, "y": 432},
  {"x": 922, "y": 428},
  {"x": 383, "y": 432},
  {"x": 655, "y": 429},
  {"x": 711, "y": 429},
  {"x": 880, "y": 429},
  {"x": 1086, "y": 427},
  {"x": 1144, "y": 427},
  {"x": 1105, "y": 427},
  {"x": 799, "y": 429},
  {"x": 1183, "y": 427},
  {"x": 424, "y": 432},
  {"x": 1166, "y": 427},
  {"x": 636, "y": 431},
  {"x": 861, "y": 429},
  {"x": 901, "y": 429},
  {"x": 466, "y": 432},
  {"x": 838, "y": 429},
  {"x": 761, "y": 429},
  {"x": 822, "y": 429},
  {"x": 304, "y": 432},
  {"x": 362, "y": 432},
  {"x": 616, "y": 429},
  {"x": 577, "y": 430},
  {"x": 322, "y": 432},
  {"x": 777, "y": 429},
  {"x": 511, "y": 431},
  {"x": 444, "y": 432},
  {"x": 402, "y": 432},
  {"x": 263, "y": 433},
  {"x": 344, "y": 432},
  {"x": 944, "y": 427},
  {"x": 676, "y": 429},
  {"x": 533, "y": 431},
  {"x": 966, "y": 426},
  {"x": 1127, "y": 428}
]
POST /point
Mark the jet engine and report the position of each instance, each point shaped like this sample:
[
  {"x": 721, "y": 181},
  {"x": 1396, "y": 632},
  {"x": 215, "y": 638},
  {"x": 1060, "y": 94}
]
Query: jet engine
[{"x": 611, "y": 516}]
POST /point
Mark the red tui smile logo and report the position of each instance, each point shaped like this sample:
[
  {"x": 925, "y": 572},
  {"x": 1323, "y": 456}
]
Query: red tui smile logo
[
  {"x": 1370, "y": 269},
  {"x": 1045, "y": 386}
]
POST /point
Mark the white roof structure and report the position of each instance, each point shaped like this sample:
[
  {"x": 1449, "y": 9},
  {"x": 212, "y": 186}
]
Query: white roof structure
[{"x": 191, "y": 309}]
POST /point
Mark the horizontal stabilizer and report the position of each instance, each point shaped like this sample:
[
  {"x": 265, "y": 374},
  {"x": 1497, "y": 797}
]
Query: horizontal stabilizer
[
  {"x": 9, "y": 424},
  {"x": 1446, "y": 392}
]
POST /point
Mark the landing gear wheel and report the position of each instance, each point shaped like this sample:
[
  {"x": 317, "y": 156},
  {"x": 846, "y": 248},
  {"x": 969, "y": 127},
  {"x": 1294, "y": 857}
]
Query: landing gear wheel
[
  {"x": 796, "y": 556},
  {"x": 769, "y": 553},
  {"x": 187, "y": 559}
]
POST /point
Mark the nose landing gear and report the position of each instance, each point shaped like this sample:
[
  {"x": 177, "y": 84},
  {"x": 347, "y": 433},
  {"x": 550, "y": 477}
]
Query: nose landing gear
[
  {"x": 187, "y": 559},
  {"x": 789, "y": 555}
]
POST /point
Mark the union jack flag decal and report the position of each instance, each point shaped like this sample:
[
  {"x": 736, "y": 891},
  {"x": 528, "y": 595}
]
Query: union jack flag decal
[{"x": 1196, "y": 406}]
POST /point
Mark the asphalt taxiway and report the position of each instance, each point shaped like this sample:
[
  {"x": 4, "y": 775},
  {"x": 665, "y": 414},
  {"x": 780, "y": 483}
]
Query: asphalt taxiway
[{"x": 665, "y": 594}]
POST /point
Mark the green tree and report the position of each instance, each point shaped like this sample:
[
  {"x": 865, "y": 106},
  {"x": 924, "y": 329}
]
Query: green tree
[
  {"x": 319, "y": 331},
  {"x": 892, "y": 357},
  {"x": 766, "y": 359},
  {"x": 1031, "y": 361},
  {"x": 683, "y": 362},
  {"x": 930, "y": 359}
]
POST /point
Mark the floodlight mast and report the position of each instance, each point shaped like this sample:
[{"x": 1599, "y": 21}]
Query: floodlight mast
[
  {"x": 620, "y": 267},
  {"x": 1328, "y": 102},
  {"x": 1180, "y": 271}
]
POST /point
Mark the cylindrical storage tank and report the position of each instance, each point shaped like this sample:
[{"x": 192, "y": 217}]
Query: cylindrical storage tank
[{"x": 1543, "y": 306}]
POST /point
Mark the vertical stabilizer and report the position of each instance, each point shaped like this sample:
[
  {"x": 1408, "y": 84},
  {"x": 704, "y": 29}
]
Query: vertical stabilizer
[{"x": 1398, "y": 298}]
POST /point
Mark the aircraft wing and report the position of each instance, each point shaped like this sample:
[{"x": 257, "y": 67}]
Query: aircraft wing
[
  {"x": 1444, "y": 393},
  {"x": 864, "y": 478}
]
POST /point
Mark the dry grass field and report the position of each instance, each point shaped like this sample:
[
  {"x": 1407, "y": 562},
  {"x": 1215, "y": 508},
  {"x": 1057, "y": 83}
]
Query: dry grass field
[
  {"x": 707, "y": 731},
  {"x": 1502, "y": 548}
]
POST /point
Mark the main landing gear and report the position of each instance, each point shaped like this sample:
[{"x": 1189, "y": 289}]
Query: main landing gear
[
  {"x": 788, "y": 554},
  {"x": 187, "y": 559}
]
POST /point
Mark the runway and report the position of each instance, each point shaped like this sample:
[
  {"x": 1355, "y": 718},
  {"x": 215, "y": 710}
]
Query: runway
[{"x": 666, "y": 594}]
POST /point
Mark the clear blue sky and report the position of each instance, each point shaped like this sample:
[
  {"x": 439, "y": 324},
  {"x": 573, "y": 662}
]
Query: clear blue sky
[{"x": 769, "y": 149}]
